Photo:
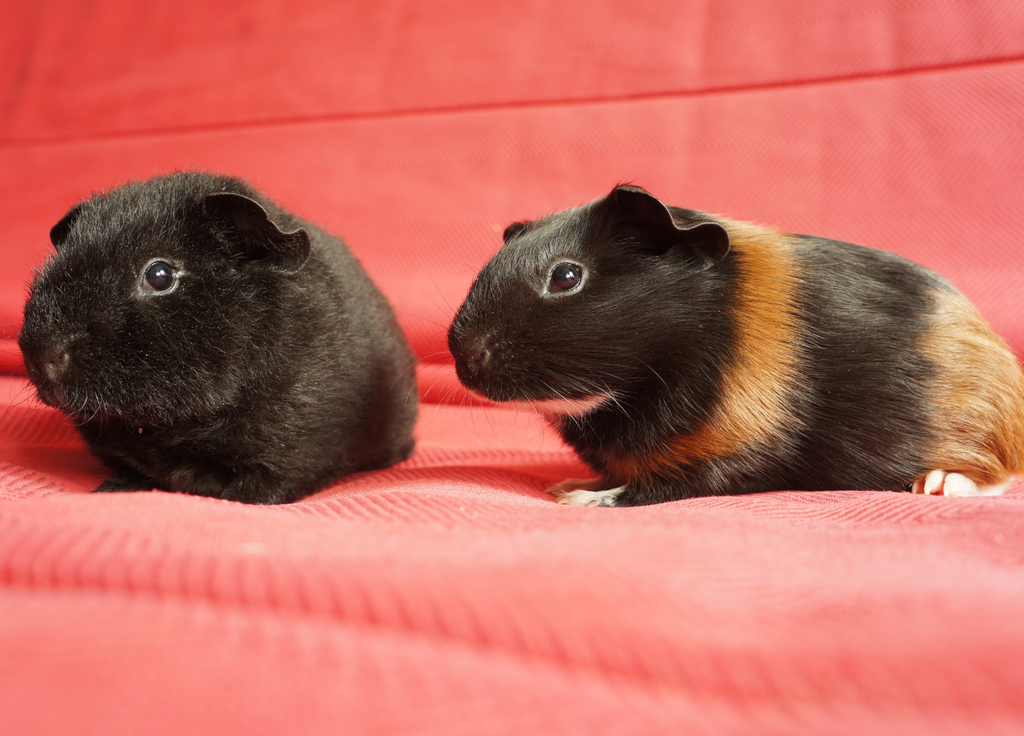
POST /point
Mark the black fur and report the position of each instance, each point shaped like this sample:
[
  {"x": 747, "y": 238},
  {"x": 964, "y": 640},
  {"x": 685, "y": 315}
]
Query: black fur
[
  {"x": 865, "y": 394},
  {"x": 272, "y": 368},
  {"x": 654, "y": 325}
]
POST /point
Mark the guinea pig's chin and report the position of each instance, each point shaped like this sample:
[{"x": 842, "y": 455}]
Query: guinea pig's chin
[
  {"x": 49, "y": 396},
  {"x": 52, "y": 396},
  {"x": 77, "y": 405},
  {"x": 495, "y": 392},
  {"x": 560, "y": 407},
  {"x": 571, "y": 407}
]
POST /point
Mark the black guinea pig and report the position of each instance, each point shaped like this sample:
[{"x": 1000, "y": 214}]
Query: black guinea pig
[
  {"x": 204, "y": 340},
  {"x": 682, "y": 354}
]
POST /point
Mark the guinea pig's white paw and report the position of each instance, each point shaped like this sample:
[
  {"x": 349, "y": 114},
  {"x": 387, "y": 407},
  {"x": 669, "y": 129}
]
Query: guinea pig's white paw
[
  {"x": 575, "y": 484},
  {"x": 588, "y": 492},
  {"x": 941, "y": 483},
  {"x": 589, "y": 498}
]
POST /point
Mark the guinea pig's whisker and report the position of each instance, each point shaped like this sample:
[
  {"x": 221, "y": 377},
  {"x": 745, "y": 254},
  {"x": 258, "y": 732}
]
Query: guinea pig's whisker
[
  {"x": 451, "y": 309},
  {"x": 402, "y": 374},
  {"x": 443, "y": 326},
  {"x": 408, "y": 394}
]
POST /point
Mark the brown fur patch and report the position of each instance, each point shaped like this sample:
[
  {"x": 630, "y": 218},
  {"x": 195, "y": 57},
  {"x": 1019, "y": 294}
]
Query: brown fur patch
[
  {"x": 977, "y": 397},
  {"x": 753, "y": 406}
]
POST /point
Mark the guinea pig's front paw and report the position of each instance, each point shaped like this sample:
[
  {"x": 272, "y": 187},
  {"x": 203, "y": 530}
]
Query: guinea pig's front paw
[
  {"x": 575, "y": 484},
  {"x": 576, "y": 492},
  {"x": 941, "y": 483},
  {"x": 113, "y": 485},
  {"x": 125, "y": 481}
]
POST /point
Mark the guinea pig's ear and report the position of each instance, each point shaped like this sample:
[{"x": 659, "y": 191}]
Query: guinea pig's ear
[
  {"x": 257, "y": 235},
  {"x": 59, "y": 232},
  {"x": 709, "y": 240},
  {"x": 515, "y": 230},
  {"x": 635, "y": 207}
]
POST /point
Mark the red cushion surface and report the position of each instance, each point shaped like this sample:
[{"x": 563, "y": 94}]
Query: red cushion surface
[{"x": 449, "y": 594}]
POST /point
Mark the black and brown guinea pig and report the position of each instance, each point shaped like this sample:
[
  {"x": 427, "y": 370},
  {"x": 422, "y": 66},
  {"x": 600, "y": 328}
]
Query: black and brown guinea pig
[
  {"x": 682, "y": 354},
  {"x": 204, "y": 340}
]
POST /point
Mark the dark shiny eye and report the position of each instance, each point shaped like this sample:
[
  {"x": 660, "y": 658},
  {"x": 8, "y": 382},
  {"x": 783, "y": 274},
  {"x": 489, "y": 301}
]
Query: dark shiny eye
[
  {"x": 159, "y": 276},
  {"x": 565, "y": 277}
]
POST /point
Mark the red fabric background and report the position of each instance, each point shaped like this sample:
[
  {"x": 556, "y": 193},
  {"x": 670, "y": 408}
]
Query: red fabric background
[{"x": 449, "y": 595}]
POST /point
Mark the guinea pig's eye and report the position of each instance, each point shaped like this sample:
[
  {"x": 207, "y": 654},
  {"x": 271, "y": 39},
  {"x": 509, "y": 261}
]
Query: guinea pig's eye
[
  {"x": 565, "y": 277},
  {"x": 159, "y": 276}
]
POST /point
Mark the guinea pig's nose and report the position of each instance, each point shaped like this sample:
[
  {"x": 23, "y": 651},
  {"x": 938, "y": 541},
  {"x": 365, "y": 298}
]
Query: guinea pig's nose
[
  {"x": 54, "y": 362},
  {"x": 473, "y": 359},
  {"x": 473, "y": 355},
  {"x": 48, "y": 360},
  {"x": 478, "y": 359}
]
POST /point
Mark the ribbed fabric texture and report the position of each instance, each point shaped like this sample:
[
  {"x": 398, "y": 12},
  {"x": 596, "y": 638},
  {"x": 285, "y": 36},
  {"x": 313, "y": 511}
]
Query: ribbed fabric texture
[{"x": 450, "y": 595}]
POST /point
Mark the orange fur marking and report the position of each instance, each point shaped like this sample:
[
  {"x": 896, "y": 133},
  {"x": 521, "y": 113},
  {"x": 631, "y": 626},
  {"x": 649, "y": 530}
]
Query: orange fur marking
[
  {"x": 753, "y": 405},
  {"x": 978, "y": 395}
]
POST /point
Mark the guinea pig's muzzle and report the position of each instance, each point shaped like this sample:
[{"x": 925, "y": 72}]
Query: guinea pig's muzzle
[
  {"x": 46, "y": 362},
  {"x": 481, "y": 365},
  {"x": 473, "y": 360}
]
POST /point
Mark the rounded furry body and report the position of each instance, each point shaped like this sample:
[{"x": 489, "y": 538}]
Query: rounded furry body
[
  {"x": 204, "y": 340},
  {"x": 696, "y": 356}
]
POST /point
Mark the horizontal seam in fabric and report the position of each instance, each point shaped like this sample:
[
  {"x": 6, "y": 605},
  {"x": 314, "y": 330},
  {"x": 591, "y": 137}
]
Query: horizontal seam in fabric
[{"x": 398, "y": 114}]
